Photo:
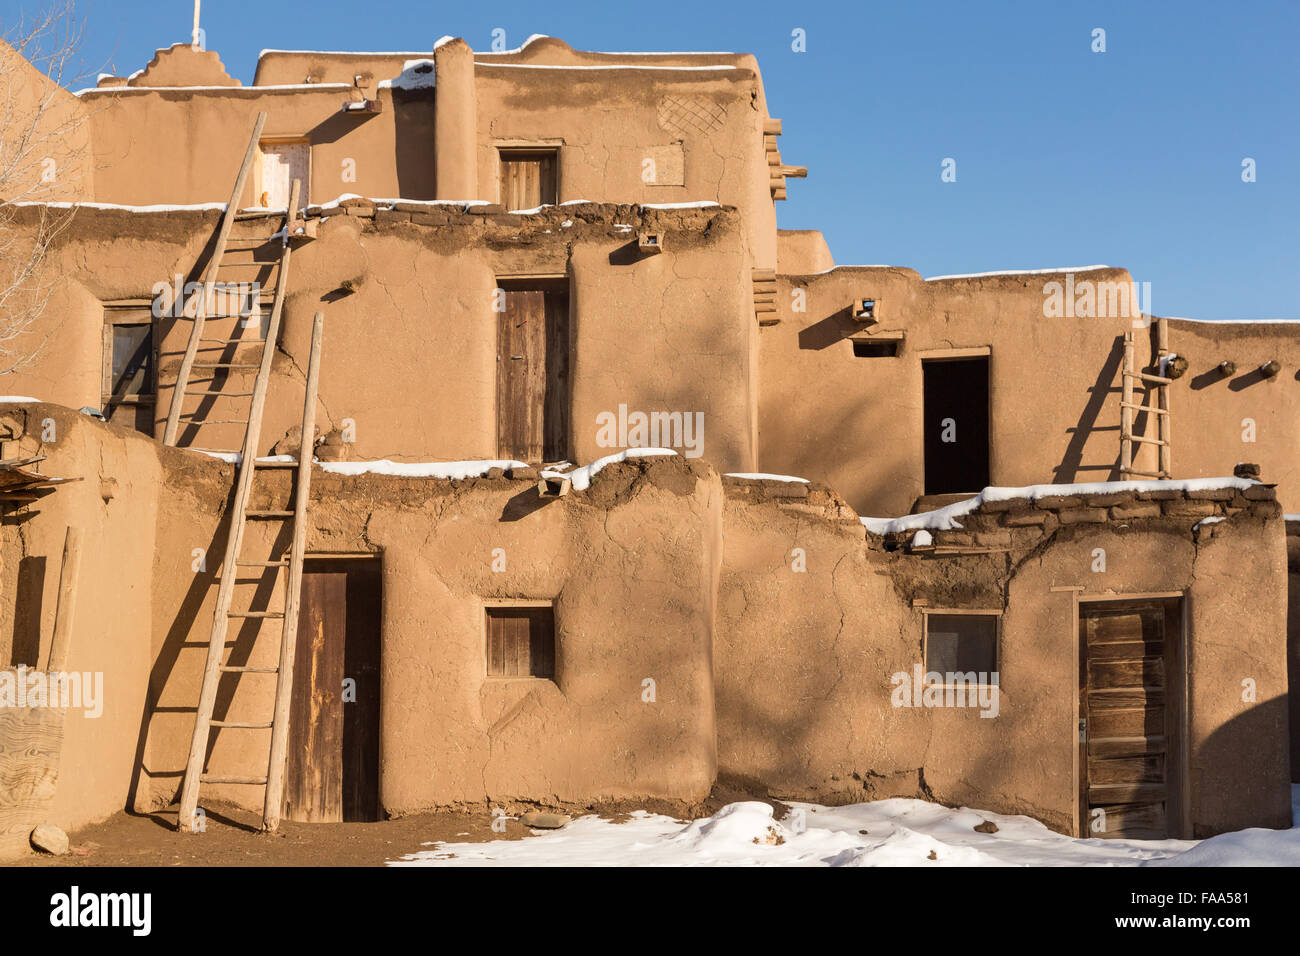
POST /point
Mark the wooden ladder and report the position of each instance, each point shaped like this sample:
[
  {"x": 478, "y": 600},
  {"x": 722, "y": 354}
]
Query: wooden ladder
[
  {"x": 273, "y": 778},
  {"x": 201, "y": 302},
  {"x": 1129, "y": 409}
]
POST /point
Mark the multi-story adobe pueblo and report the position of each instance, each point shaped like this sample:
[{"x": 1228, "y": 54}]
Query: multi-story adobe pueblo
[{"x": 999, "y": 540}]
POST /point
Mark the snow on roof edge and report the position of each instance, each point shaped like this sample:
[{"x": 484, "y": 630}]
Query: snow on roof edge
[
  {"x": 1018, "y": 272},
  {"x": 942, "y": 519}
]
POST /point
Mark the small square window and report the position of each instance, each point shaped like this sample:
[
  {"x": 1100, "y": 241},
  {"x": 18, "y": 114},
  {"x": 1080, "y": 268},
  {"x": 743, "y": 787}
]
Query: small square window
[
  {"x": 866, "y": 310},
  {"x": 521, "y": 642},
  {"x": 961, "y": 644}
]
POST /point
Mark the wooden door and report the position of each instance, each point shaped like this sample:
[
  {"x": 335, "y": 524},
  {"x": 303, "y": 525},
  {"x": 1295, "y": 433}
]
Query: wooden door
[
  {"x": 282, "y": 163},
  {"x": 532, "y": 376},
  {"x": 332, "y": 772},
  {"x": 528, "y": 178},
  {"x": 1129, "y": 764}
]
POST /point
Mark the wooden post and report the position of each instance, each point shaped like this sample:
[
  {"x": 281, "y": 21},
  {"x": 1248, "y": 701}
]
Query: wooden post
[
  {"x": 65, "y": 613},
  {"x": 1126, "y": 410},
  {"x": 230, "y": 566},
  {"x": 293, "y": 596},
  {"x": 209, "y": 283},
  {"x": 1166, "y": 468}
]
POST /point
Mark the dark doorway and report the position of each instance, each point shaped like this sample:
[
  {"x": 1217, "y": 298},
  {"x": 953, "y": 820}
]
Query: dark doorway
[
  {"x": 533, "y": 372},
  {"x": 1130, "y": 760},
  {"x": 333, "y": 762},
  {"x": 956, "y": 422}
]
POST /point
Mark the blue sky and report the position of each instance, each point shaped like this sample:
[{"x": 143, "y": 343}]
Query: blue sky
[{"x": 1064, "y": 157}]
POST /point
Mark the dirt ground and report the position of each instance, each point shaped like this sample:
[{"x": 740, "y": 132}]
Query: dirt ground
[{"x": 233, "y": 837}]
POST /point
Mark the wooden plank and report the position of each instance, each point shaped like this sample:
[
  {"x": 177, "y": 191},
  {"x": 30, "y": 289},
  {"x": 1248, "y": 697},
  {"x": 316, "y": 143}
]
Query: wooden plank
[
  {"x": 293, "y": 588},
  {"x": 313, "y": 779},
  {"x": 31, "y": 743},
  {"x": 209, "y": 279},
  {"x": 1139, "y": 821},
  {"x": 1110, "y": 794},
  {"x": 1146, "y": 672},
  {"x": 1126, "y": 650},
  {"x": 555, "y": 412},
  {"x": 521, "y": 376},
  {"x": 1126, "y": 746},
  {"x": 1165, "y": 420},
  {"x": 1126, "y": 407},
  {"x": 1110, "y": 628},
  {"x": 66, "y": 610},
  {"x": 1134, "y": 771}
]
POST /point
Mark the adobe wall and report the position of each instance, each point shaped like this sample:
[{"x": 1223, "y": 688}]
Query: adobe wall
[
  {"x": 644, "y": 540},
  {"x": 803, "y": 660},
  {"x": 410, "y": 352},
  {"x": 132, "y": 504},
  {"x": 52, "y": 127},
  {"x": 1054, "y": 386},
  {"x": 1243, "y": 416}
]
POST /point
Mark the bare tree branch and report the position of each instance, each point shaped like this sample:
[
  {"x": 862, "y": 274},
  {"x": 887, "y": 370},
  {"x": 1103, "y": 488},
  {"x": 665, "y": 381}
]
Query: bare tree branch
[{"x": 43, "y": 151}]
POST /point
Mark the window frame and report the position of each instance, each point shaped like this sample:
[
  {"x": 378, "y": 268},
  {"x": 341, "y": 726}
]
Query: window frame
[
  {"x": 522, "y": 149},
  {"x": 128, "y": 313},
  {"x": 969, "y": 612},
  {"x": 486, "y": 634}
]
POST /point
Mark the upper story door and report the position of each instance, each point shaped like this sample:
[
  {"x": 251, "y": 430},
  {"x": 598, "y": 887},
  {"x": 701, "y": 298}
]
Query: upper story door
[
  {"x": 282, "y": 163},
  {"x": 533, "y": 375},
  {"x": 956, "y": 425}
]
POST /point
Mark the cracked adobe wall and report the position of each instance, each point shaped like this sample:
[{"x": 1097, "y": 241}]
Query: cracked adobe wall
[
  {"x": 804, "y": 660},
  {"x": 630, "y": 565}
]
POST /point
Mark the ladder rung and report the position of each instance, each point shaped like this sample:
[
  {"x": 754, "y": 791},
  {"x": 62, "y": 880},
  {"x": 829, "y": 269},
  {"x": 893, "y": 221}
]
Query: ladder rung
[
  {"x": 268, "y": 514},
  {"x": 223, "y": 365},
  {"x": 281, "y": 563},
  {"x": 263, "y": 614},
  {"x": 240, "y": 725},
  {"x": 1144, "y": 408},
  {"x": 1147, "y": 377},
  {"x": 255, "y": 781},
  {"x": 275, "y": 464},
  {"x": 1145, "y": 474},
  {"x": 217, "y": 391},
  {"x": 1145, "y": 441},
  {"x": 235, "y": 341},
  {"x": 247, "y": 669}
]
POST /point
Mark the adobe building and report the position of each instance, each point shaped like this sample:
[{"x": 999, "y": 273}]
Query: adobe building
[{"x": 986, "y": 540}]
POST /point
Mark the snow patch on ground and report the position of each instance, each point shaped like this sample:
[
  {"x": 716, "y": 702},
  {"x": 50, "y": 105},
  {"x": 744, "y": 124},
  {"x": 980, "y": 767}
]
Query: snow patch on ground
[
  {"x": 896, "y": 832},
  {"x": 758, "y": 476},
  {"x": 17, "y": 399}
]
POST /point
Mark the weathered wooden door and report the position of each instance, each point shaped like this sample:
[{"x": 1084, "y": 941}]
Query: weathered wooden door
[
  {"x": 532, "y": 376},
  {"x": 528, "y": 178},
  {"x": 1129, "y": 767},
  {"x": 333, "y": 761}
]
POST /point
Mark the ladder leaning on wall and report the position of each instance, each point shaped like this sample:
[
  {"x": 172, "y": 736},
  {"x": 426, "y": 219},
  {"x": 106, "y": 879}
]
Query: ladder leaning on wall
[
  {"x": 247, "y": 467},
  {"x": 1133, "y": 377}
]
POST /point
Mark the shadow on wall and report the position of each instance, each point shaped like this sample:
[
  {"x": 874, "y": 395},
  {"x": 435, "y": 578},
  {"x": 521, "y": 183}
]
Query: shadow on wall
[
  {"x": 1072, "y": 463},
  {"x": 28, "y": 604},
  {"x": 413, "y": 125},
  {"x": 1246, "y": 788},
  {"x": 1293, "y": 651}
]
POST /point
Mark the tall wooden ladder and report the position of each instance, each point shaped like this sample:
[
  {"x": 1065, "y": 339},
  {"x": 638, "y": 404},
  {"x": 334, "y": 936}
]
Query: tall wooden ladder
[
  {"x": 273, "y": 777},
  {"x": 1133, "y": 378},
  {"x": 218, "y": 372}
]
